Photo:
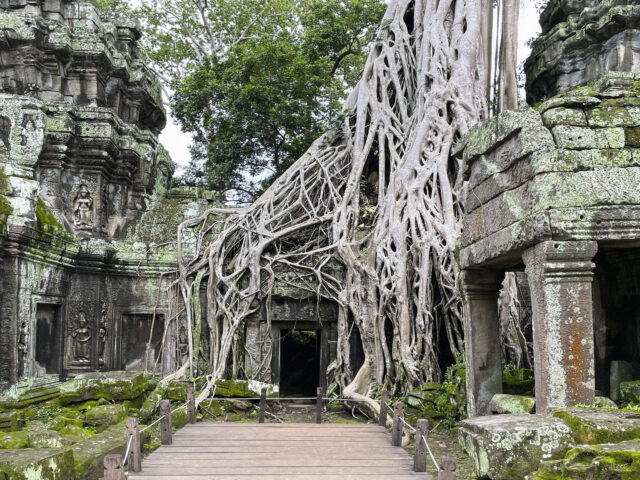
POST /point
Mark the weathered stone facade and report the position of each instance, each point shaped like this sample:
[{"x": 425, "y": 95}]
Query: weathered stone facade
[
  {"x": 581, "y": 41},
  {"x": 553, "y": 191},
  {"x": 88, "y": 221}
]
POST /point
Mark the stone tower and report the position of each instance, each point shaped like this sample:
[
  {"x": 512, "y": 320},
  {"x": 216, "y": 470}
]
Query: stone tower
[
  {"x": 84, "y": 197},
  {"x": 581, "y": 42}
]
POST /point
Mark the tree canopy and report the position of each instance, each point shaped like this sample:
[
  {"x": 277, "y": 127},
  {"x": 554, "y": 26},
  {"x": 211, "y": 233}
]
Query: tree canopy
[{"x": 256, "y": 81}]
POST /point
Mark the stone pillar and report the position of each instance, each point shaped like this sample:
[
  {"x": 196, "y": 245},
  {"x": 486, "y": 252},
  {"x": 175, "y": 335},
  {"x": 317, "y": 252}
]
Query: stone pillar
[
  {"x": 560, "y": 277},
  {"x": 482, "y": 338}
]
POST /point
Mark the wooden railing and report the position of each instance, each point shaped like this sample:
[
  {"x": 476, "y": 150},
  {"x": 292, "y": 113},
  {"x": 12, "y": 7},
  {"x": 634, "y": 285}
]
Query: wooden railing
[{"x": 114, "y": 465}]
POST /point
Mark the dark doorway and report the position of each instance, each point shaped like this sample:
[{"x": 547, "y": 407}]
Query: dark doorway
[
  {"x": 299, "y": 362},
  {"x": 135, "y": 335},
  {"x": 48, "y": 337}
]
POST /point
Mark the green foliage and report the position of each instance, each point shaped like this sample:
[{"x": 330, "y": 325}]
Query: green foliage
[
  {"x": 48, "y": 413},
  {"x": 257, "y": 81}
]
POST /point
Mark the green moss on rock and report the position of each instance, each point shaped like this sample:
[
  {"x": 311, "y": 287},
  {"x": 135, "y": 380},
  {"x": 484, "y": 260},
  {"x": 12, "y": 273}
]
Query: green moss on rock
[
  {"x": 595, "y": 462},
  {"x": 89, "y": 454},
  {"x": 37, "y": 464},
  {"x": 14, "y": 440},
  {"x": 593, "y": 426},
  {"x": 518, "y": 382},
  {"x": 105, "y": 415},
  {"x": 114, "y": 386}
]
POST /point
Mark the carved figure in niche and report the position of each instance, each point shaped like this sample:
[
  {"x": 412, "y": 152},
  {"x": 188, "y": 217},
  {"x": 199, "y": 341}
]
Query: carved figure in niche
[
  {"x": 82, "y": 339},
  {"x": 5, "y": 132},
  {"x": 83, "y": 209},
  {"x": 102, "y": 337},
  {"x": 28, "y": 127},
  {"x": 23, "y": 341},
  {"x": 183, "y": 345}
]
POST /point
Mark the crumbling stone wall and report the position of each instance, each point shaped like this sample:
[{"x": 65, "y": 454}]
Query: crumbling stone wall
[{"x": 87, "y": 220}]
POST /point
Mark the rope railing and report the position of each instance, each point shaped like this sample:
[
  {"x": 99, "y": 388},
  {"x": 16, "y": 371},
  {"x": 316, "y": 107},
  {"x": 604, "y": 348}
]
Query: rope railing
[
  {"x": 114, "y": 465},
  {"x": 446, "y": 468}
]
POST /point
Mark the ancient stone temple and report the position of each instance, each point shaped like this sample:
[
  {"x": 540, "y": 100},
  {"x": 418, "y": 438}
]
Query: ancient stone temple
[
  {"x": 87, "y": 219},
  {"x": 554, "y": 191}
]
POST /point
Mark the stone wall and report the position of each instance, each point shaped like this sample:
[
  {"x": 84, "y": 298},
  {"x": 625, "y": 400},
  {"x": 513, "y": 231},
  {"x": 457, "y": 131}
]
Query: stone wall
[
  {"x": 581, "y": 41},
  {"x": 87, "y": 221}
]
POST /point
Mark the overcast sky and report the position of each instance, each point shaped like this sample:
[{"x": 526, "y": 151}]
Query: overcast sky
[{"x": 177, "y": 142}]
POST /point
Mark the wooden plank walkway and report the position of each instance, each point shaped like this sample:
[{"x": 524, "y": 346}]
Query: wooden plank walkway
[{"x": 286, "y": 451}]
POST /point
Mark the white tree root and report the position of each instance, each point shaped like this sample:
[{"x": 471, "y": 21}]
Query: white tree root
[{"x": 422, "y": 88}]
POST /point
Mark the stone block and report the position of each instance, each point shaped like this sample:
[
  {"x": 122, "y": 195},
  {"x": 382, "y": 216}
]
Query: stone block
[
  {"x": 630, "y": 392},
  {"x": 632, "y": 137},
  {"x": 604, "y": 402},
  {"x": 104, "y": 415},
  {"x": 508, "y": 447},
  {"x": 620, "y": 371},
  {"x": 583, "y": 138},
  {"x": 592, "y": 426},
  {"x": 111, "y": 386},
  {"x": 608, "y": 116},
  {"x": 564, "y": 116},
  {"x": 89, "y": 454},
  {"x": 503, "y": 403},
  {"x": 40, "y": 464},
  {"x": 594, "y": 462},
  {"x": 10, "y": 421}
]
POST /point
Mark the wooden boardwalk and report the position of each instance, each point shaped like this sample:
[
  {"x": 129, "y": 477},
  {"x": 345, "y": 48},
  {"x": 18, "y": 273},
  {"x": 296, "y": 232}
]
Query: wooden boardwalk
[{"x": 270, "y": 451}]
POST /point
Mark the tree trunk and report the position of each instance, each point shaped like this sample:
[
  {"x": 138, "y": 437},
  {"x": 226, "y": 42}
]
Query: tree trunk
[{"x": 508, "y": 96}]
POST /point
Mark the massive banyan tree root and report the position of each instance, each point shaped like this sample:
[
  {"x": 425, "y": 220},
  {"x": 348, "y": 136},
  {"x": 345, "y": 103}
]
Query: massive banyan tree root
[{"x": 421, "y": 89}]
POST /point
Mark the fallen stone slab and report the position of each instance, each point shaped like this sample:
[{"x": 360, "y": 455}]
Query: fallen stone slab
[
  {"x": 620, "y": 461},
  {"x": 37, "y": 463},
  {"x": 30, "y": 392},
  {"x": 89, "y": 454},
  {"x": 117, "y": 386},
  {"x": 502, "y": 403},
  {"x": 10, "y": 421},
  {"x": 592, "y": 426},
  {"x": 508, "y": 447}
]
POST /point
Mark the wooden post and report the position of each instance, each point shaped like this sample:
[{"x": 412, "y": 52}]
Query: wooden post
[
  {"x": 191, "y": 406},
  {"x": 165, "y": 423},
  {"x": 447, "y": 469},
  {"x": 384, "y": 401},
  {"x": 319, "y": 405},
  {"x": 113, "y": 467},
  {"x": 396, "y": 430},
  {"x": 263, "y": 404},
  {"x": 420, "y": 456},
  {"x": 135, "y": 455}
]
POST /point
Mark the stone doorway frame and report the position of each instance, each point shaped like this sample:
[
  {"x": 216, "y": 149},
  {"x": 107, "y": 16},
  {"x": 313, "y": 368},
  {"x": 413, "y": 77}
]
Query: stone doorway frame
[{"x": 53, "y": 300}]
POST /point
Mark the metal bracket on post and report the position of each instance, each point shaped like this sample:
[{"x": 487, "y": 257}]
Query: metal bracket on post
[{"x": 396, "y": 431}]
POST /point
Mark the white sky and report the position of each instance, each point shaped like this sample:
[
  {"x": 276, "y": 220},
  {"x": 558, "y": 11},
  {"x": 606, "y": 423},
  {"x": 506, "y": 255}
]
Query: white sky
[{"x": 177, "y": 142}]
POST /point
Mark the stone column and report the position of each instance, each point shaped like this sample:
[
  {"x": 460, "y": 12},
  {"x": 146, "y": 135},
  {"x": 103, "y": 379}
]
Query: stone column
[
  {"x": 560, "y": 277},
  {"x": 482, "y": 338}
]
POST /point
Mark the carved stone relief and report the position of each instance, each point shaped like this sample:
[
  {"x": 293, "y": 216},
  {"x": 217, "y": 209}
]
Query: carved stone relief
[{"x": 81, "y": 339}]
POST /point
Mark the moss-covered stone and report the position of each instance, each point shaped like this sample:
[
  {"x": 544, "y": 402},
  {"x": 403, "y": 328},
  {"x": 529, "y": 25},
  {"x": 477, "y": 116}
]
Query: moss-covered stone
[
  {"x": 89, "y": 454},
  {"x": 37, "y": 464},
  {"x": 44, "y": 438},
  {"x": 105, "y": 415},
  {"x": 592, "y": 426},
  {"x": 151, "y": 403},
  {"x": 234, "y": 388},
  {"x": 508, "y": 447},
  {"x": 520, "y": 382},
  {"x": 595, "y": 462},
  {"x": 604, "y": 402},
  {"x": 10, "y": 421},
  {"x": 117, "y": 386},
  {"x": 503, "y": 403},
  {"x": 14, "y": 440}
]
